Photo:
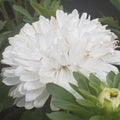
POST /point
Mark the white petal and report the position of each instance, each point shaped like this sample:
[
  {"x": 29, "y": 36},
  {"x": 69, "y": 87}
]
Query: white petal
[
  {"x": 29, "y": 77},
  {"x": 33, "y": 94},
  {"x": 40, "y": 101},
  {"x": 33, "y": 85},
  {"x": 20, "y": 102},
  {"x": 29, "y": 105},
  {"x": 11, "y": 81}
]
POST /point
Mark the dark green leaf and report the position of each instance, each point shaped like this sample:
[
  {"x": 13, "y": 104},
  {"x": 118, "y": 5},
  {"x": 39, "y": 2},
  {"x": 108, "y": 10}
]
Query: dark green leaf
[
  {"x": 76, "y": 108},
  {"x": 110, "y": 21},
  {"x": 97, "y": 117},
  {"x": 2, "y": 24},
  {"x": 23, "y": 11},
  {"x": 62, "y": 116},
  {"x": 47, "y": 8}
]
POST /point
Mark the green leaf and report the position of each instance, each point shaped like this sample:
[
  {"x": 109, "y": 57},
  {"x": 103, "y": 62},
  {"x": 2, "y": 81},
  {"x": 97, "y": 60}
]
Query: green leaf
[
  {"x": 116, "y": 3},
  {"x": 110, "y": 78},
  {"x": 95, "y": 83},
  {"x": 94, "y": 79},
  {"x": 87, "y": 95},
  {"x": 59, "y": 93},
  {"x": 62, "y": 116},
  {"x": 82, "y": 81},
  {"x": 116, "y": 81},
  {"x": 23, "y": 11},
  {"x": 74, "y": 87},
  {"x": 68, "y": 106},
  {"x": 97, "y": 117},
  {"x": 86, "y": 103},
  {"x": 110, "y": 21},
  {"x": 47, "y": 8},
  {"x": 2, "y": 24}
]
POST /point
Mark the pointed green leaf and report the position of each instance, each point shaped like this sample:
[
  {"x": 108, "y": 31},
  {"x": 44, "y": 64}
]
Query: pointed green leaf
[
  {"x": 96, "y": 88},
  {"x": 82, "y": 80},
  {"x": 94, "y": 79},
  {"x": 74, "y": 87}
]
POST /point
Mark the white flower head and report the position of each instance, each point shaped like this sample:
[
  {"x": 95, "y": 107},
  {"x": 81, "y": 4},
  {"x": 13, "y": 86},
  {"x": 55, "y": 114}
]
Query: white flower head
[{"x": 50, "y": 50}]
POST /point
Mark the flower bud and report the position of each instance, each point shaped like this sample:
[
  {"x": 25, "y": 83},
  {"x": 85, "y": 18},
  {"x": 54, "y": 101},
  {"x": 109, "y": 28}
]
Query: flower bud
[{"x": 110, "y": 98}]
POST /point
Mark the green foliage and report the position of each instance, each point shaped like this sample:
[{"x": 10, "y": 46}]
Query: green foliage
[
  {"x": 62, "y": 116},
  {"x": 47, "y": 8},
  {"x": 5, "y": 101},
  {"x": 116, "y": 3},
  {"x": 113, "y": 24},
  {"x": 24, "y": 12},
  {"x": 90, "y": 106}
]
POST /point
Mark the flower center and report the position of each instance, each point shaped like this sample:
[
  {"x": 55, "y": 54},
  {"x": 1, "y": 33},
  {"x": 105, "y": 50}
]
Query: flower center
[{"x": 113, "y": 93}]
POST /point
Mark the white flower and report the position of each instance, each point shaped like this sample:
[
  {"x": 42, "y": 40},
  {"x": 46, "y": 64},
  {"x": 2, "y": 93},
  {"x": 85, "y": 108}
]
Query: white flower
[{"x": 50, "y": 50}]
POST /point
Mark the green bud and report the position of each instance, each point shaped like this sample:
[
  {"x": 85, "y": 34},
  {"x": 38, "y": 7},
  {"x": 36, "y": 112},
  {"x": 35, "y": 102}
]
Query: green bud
[{"x": 110, "y": 98}]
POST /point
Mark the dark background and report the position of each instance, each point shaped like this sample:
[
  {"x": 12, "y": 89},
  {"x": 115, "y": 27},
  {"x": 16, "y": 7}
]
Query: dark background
[{"x": 96, "y": 8}]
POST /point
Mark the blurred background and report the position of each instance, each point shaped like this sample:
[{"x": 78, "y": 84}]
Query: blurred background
[{"x": 96, "y": 8}]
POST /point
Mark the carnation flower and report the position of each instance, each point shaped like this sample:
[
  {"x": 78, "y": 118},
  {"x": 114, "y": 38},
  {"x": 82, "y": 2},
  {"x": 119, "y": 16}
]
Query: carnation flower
[{"x": 50, "y": 50}]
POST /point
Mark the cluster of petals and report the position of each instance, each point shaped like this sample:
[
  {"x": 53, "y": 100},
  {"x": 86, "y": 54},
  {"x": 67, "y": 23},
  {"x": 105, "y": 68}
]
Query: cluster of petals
[{"x": 48, "y": 51}]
